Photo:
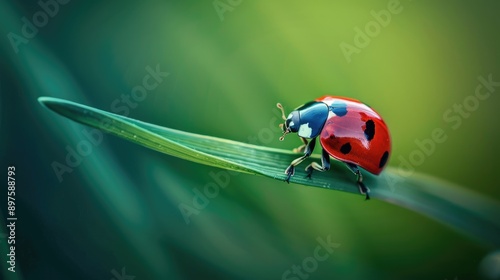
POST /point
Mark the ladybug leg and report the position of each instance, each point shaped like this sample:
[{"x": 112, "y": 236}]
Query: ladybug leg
[
  {"x": 325, "y": 164},
  {"x": 362, "y": 188},
  {"x": 308, "y": 151},
  {"x": 301, "y": 147}
]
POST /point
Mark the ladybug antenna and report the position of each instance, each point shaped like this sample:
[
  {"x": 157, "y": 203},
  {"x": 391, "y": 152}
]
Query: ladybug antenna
[
  {"x": 283, "y": 136},
  {"x": 282, "y": 125},
  {"x": 282, "y": 111}
]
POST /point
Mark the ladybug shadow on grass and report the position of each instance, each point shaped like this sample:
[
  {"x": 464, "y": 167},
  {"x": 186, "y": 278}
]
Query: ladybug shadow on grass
[{"x": 348, "y": 130}]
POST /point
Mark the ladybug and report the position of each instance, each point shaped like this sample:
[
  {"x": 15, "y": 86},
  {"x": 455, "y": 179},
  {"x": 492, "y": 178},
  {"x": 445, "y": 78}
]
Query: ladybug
[{"x": 348, "y": 130}]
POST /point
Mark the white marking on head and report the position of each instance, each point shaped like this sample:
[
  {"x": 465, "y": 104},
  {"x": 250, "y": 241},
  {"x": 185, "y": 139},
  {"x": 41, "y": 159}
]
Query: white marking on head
[
  {"x": 291, "y": 123},
  {"x": 305, "y": 130},
  {"x": 290, "y": 116}
]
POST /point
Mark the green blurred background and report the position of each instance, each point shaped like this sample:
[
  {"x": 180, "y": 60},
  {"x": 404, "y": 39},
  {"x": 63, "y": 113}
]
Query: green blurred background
[{"x": 119, "y": 208}]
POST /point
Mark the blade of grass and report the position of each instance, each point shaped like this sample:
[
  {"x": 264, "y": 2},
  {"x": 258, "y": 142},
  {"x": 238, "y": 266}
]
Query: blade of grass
[{"x": 469, "y": 212}]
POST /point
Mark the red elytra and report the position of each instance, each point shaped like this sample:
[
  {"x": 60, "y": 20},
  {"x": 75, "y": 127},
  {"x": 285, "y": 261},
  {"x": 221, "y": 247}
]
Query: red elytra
[{"x": 355, "y": 133}]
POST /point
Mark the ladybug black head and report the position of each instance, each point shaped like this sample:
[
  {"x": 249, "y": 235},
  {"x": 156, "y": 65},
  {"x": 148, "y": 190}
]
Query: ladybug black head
[{"x": 292, "y": 122}]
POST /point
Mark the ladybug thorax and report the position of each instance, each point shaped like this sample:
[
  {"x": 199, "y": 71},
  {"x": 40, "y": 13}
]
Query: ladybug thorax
[{"x": 308, "y": 120}]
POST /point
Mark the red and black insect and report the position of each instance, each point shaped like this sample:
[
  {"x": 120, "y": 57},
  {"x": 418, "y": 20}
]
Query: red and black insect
[{"x": 349, "y": 131}]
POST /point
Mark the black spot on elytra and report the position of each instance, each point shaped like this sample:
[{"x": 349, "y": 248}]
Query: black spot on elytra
[
  {"x": 339, "y": 108},
  {"x": 346, "y": 148},
  {"x": 370, "y": 130},
  {"x": 383, "y": 160}
]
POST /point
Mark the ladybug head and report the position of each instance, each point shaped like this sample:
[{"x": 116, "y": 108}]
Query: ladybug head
[{"x": 292, "y": 122}]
